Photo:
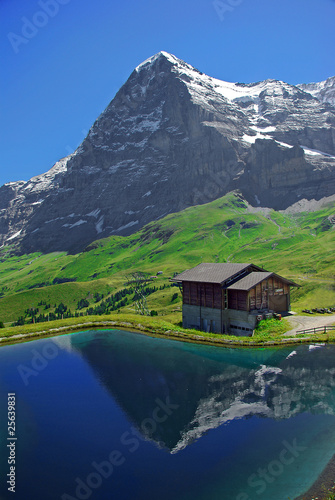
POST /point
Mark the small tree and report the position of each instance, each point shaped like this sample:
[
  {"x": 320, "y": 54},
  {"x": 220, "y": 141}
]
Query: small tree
[
  {"x": 2, "y": 325},
  {"x": 61, "y": 309}
]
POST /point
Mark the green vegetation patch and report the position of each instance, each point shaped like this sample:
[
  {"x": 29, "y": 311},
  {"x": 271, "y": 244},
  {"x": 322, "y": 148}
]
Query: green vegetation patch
[
  {"x": 271, "y": 328},
  {"x": 297, "y": 246}
]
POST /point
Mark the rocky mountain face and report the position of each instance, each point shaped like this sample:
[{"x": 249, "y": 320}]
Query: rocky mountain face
[
  {"x": 324, "y": 91},
  {"x": 171, "y": 138}
]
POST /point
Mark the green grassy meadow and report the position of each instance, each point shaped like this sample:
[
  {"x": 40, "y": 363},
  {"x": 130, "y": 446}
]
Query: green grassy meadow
[{"x": 297, "y": 246}]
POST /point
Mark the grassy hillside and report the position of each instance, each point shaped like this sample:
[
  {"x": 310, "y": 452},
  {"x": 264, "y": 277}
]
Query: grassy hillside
[{"x": 298, "y": 246}]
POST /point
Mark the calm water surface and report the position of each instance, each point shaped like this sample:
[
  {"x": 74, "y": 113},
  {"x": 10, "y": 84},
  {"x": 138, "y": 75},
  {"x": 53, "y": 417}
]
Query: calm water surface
[{"x": 118, "y": 415}]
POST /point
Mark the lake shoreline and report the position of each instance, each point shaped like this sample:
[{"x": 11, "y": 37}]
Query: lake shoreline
[
  {"x": 137, "y": 327},
  {"x": 323, "y": 486}
]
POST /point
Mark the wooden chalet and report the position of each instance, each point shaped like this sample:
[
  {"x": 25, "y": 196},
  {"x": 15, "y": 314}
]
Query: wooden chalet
[{"x": 227, "y": 298}]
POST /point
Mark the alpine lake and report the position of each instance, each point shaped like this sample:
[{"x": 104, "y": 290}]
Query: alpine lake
[{"x": 117, "y": 415}]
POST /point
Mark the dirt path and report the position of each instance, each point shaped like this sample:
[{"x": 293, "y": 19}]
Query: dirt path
[
  {"x": 274, "y": 222},
  {"x": 304, "y": 322}
]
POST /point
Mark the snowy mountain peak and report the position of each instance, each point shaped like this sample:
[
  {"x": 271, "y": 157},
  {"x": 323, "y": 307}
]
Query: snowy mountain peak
[
  {"x": 323, "y": 91},
  {"x": 160, "y": 55},
  {"x": 314, "y": 86},
  {"x": 171, "y": 138},
  {"x": 201, "y": 86},
  {"x": 175, "y": 65}
]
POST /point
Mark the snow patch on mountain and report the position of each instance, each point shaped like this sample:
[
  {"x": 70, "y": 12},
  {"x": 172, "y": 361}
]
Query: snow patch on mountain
[
  {"x": 126, "y": 226},
  {"x": 15, "y": 235},
  {"x": 44, "y": 181},
  {"x": 315, "y": 152},
  {"x": 78, "y": 223},
  {"x": 264, "y": 130},
  {"x": 170, "y": 57},
  {"x": 99, "y": 225},
  {"x": 94, "y": 213},
  {"x": 284, "y": 144},
  {"x": 88, "y": 170},
  {"x": 323, "y": 91},
  {"x": 251, "y": 139}
]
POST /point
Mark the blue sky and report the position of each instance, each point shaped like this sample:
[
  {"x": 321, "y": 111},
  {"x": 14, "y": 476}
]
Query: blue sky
[{"x": 63, "y": 60}]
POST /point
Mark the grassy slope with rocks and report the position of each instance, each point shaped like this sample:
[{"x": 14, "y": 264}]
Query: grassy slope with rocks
[{"x": 298, "y": 246}]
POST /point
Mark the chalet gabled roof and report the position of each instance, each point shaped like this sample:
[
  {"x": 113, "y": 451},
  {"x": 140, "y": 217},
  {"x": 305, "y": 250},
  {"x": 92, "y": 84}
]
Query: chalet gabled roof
[
  {"x": 213, "y": 272},
  {"x": 249, "y": 281},
  {"x": 241, "y": 276}
]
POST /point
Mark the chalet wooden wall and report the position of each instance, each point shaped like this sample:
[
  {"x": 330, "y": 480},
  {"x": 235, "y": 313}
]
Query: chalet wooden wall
[
  {"x": 238, "y": 299},
  {"x": 211, "y": 295},
  {"x": 277, "y": 286},
  {"x": 202, "y": 294},
  {"x": 259, "y": 295}
]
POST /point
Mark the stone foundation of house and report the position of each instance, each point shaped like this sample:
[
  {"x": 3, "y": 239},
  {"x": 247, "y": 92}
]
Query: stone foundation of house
[{"x": 228, "y": 321}]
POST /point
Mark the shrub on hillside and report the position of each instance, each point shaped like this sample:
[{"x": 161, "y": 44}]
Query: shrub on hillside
[{"x": 82, "y": 303}]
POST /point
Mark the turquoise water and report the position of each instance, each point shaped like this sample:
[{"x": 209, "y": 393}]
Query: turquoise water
[{"x": 118, "y": 415}]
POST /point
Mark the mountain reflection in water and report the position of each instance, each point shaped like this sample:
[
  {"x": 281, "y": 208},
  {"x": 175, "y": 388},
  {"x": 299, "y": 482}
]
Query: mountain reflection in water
[
  {"x": 187, "y": 421},
  {"x": 210, "y": 386}
]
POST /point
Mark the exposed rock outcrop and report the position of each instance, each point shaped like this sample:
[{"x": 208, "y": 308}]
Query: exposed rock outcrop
[{"x": 171, "y": 138}]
